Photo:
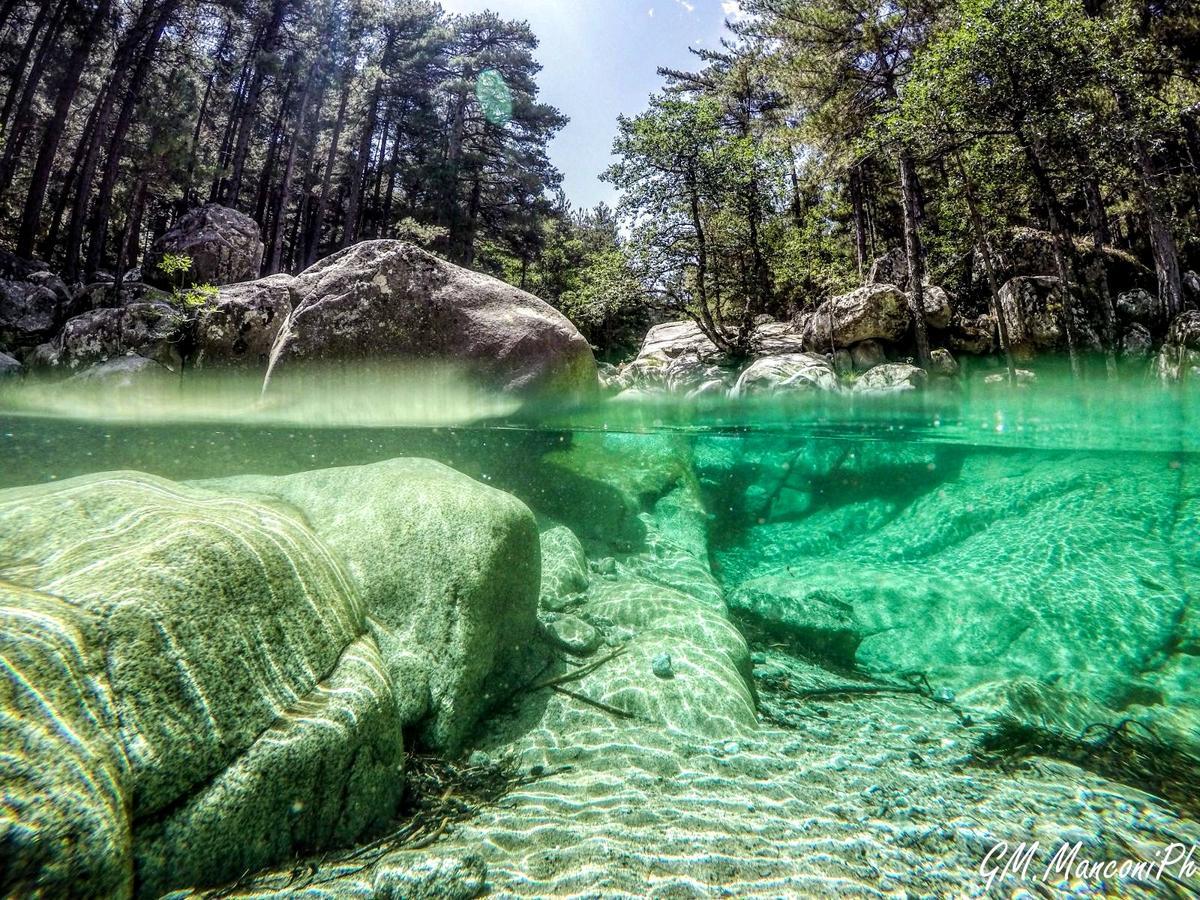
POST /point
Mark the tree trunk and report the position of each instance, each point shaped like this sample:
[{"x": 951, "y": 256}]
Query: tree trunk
[
  {"x": 915, "y": 253},
  {"x": 18, "y": 130},
  {"x": 32, "y": 213},
  {"x": 1162, "y": 240},
  {"x": 985, "y": 250},
  {"x": 359, "y": 164},
  {"x": 289, "y": 170},
  {"x": 860, "y": 221},
  {"x": 313, "y": 244},
  {"x": 18, "y": 69},
  {"x": 249, "y": 118},
  {"x": 116, "y": 143}
]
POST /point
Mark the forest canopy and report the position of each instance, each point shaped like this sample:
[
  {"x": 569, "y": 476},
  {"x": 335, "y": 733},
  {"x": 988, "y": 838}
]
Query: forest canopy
[{"x": 822, "y": 135}]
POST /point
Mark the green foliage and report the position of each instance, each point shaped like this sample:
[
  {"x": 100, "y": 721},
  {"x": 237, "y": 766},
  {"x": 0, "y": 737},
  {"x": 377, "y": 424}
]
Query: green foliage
[{"x": 189, "y": 299}]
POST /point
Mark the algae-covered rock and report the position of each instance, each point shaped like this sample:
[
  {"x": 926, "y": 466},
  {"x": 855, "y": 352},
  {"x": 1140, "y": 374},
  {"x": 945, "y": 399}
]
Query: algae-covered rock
[
  {"x": 64, "y": 822},
  {"x": 564, "y": 567},
  {"x": 190, "y": 637},
  {"x": 448, "y": 569},
  {"x": 815, "y": 622}
]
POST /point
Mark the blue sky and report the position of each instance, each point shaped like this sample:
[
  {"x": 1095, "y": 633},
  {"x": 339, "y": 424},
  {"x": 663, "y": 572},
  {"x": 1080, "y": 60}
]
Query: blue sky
[{"x": 600, "y": 58}]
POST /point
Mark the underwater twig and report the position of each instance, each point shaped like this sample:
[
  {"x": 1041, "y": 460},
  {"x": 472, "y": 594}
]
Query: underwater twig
[
  {"x": 600, "y": 705},
  {"x": 856, "y": 689},
  {"x": 578, "y": 673}
]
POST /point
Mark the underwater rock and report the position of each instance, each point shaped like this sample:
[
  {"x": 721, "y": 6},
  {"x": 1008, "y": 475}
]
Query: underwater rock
[
  {"x": 793, "y": 373},
  {"x": 877, "y": 312},
  {"x": 10, "y": 368},
  {"x": 564, "y": 568},
  {"x": 448, "y": 570},
  {"x": 123, "y": 373},
  {"x": 401, "y": 876},
  {"x": 890, "y": 379},
  {"x": 815, "y": 622},
  {"x": 224, "y": 245},
  {"x": 391, "y": 300},
  {"x": 571, "y": 634},
  {"x": 661, "y": 666},
  {"x": 947, "y": 583},
  {"x": 207, "y": 623},
  {"x": 241, "y": 325}
]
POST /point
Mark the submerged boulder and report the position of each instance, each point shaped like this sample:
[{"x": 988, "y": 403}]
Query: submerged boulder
[
  {"x": 213, "y": 654},
  {"x": 224, "y": 245},
  {"x": 392, "y": 300},
  {"x": 448, "y": 570}
]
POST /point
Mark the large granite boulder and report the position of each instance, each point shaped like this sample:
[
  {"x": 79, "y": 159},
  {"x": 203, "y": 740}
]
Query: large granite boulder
[
  {"x": 1029, "y": 252},
  {"x": 228, "y": 706},
  {"x": 448, "y": 569},
  {"x": 241, "y": 325},
  {"x": 392, "y": 300},
  {"x": 1035, "y": 309},
  {"x": 32, "y": 309},
  {"x": 122, "y": 373},
  {"x": 151, "y": 330},
  {"x": 225, "y": 247},
  {"x": 877, "y": 312},
  {"x": 789, "y": 374}
]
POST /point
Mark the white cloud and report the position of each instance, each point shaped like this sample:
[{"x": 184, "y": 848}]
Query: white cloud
[
  {"x": 651, "y": 13},
  {"x": 690, "y": 7},
  {"x": 732, "y": 9}
]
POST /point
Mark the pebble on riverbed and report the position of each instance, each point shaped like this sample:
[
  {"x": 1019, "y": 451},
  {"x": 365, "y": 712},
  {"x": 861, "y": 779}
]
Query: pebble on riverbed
[{"x": 661, "y": 666}]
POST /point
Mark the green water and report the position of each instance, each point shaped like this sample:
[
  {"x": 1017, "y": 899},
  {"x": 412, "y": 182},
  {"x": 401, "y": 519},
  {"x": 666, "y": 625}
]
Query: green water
[{"x": 1032, "y": 553}]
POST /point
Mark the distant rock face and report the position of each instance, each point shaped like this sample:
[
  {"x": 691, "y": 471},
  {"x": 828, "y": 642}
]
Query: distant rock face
[
  {"x": 239, "y": 328},
  {"x": 877, "y": 312},
  {"x": 225, "y": 247},
  {"x": 212, "y": 658},
  {"x": 790, "y": 373},
  {"x": 891, "y": 268},
  {"x": 389, "y": 299}
]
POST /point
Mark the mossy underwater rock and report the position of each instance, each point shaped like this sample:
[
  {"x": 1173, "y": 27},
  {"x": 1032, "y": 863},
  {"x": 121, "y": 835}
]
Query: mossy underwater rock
[
  {"x": 449, "y": 570},
  {"x": 204, "y": 646}
]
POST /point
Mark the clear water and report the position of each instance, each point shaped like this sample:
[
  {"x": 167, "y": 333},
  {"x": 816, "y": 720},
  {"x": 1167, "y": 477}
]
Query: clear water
[{"x": 973, "y": 539}]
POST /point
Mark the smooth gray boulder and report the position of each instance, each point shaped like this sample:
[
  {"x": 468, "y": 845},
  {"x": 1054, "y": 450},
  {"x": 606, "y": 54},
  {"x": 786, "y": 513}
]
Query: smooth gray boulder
[
  {"x": 891, "y": 268},
  {"x": 215, "y": 657},
  {"x": 225, "y": 247},
  {"x": 867, "y": 355},
  {"x": 564, "y": 568},
  {"x": 789, "y": 374},
  {"x": 448, "y": 569},
  {"x": 815, "y": 622},
  {"x": 30, "y": 312},
  {"x": 391, "y": 300},
  {"x": 942, "y": 363}
]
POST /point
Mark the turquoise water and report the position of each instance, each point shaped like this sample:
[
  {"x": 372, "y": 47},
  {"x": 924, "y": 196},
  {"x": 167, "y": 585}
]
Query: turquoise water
[{"x": 1028, "y": 555}]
